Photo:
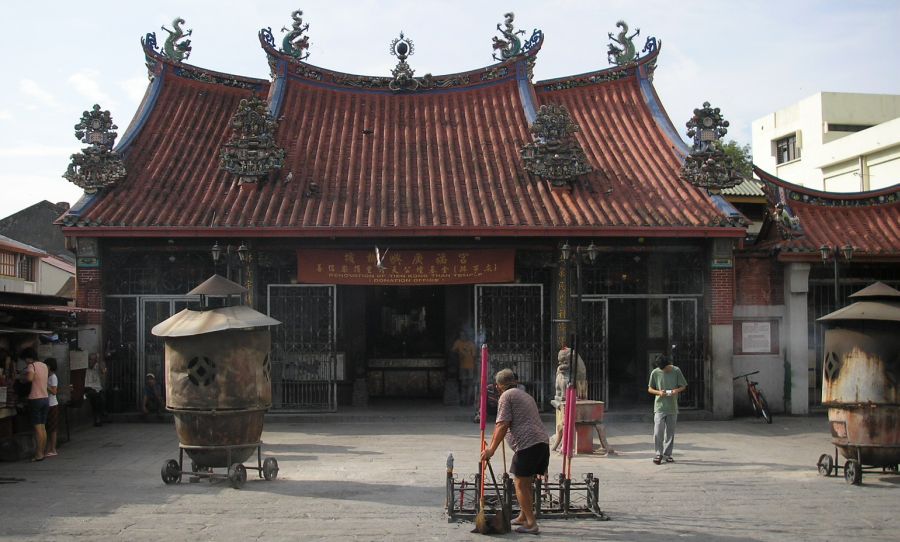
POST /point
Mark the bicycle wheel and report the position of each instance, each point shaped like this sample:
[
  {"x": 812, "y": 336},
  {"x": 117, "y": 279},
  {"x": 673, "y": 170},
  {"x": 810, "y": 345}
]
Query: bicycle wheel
[
  {"x": 764, "y": 408},
  {"x": 753, "y": 404}
]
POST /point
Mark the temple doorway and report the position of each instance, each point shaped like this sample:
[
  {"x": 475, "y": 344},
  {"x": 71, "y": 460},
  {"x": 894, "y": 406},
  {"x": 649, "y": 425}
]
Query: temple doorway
[
  {"x": 630, "y": 350},
  {"x": 406, "y": 341}
]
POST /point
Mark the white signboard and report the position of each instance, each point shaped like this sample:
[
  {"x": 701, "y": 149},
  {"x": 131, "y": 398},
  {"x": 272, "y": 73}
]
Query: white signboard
[
  {"x": 78, "y": 359},
  {"x": 756, "y": 337}
]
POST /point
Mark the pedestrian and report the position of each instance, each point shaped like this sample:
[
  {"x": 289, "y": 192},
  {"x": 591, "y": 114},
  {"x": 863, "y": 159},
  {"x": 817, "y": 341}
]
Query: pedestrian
[
  {"x": 152, "y": 397},
  {"x": 38, "y": 401},
  {"x": 666, "y": 382},
  {"x": 93, "y": 388},
  {"x": 53, "y": 411},
  {"x": 466, "y": 352},
  {"x": 520, "y": 423}
]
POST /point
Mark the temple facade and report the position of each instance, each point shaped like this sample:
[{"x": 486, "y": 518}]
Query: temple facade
[{"x": 380, "y": 218}]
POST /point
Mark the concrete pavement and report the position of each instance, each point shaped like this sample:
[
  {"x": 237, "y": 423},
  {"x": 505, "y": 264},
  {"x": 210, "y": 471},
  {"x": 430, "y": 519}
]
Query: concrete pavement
[{"x": 383, "y": 479}]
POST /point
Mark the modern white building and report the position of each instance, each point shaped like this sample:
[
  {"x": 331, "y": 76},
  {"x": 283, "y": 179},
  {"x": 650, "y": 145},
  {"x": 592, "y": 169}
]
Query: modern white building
[{"x": 833, "y": 141}]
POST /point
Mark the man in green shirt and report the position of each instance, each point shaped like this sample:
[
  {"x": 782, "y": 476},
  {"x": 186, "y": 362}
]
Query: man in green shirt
[{"x": 666, "y": 382}]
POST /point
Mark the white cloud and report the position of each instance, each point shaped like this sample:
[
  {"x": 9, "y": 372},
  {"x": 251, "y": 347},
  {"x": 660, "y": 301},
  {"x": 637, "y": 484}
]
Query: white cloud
[
  {"x": 35, "y": 151},
  {"x": 5, "y": 114},
  {"x": 43, "y": 97},
  {"x": 21, "y": 191},
  {"x": 134, "y": 88},
  {"x": 86, "y": 83}
]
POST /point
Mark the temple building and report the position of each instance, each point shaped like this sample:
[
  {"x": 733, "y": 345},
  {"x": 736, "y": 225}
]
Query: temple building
[{"x": 381, "y": 217}]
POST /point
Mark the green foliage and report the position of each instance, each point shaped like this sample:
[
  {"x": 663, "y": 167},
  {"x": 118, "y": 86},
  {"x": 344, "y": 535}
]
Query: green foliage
[{"x": 741, "y": 156}]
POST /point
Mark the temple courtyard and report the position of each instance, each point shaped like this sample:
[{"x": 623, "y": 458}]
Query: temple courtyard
[{"x": 381, "y": 476}]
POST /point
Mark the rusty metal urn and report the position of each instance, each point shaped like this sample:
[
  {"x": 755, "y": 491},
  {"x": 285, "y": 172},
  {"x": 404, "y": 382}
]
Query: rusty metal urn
[
  {"x": 218, "y": 383},
  {"x": 861, "y": 375}
]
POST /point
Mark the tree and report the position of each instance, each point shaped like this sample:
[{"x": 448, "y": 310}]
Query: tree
[{"x": 741, "y": 156}]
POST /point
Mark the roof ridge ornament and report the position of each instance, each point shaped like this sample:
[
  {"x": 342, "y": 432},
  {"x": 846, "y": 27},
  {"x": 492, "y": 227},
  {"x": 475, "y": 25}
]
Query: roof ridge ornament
[
  {"x": 510, "y": 45},
  {"x": 707, "y": 165},
  {"x": 402, "y": 48},
  {"x": 172, "y": 48},
  {"x": 97, "y": 165},
  {"x": 624, "y": 53},
  {"x": 251, "y": 153},
  {"x": 555, "y": 155},
  {"x": 294, "y": 43}
]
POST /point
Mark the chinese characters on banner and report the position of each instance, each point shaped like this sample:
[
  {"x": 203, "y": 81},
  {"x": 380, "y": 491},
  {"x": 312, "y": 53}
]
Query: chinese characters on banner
[{"x": 405, "y": 267}]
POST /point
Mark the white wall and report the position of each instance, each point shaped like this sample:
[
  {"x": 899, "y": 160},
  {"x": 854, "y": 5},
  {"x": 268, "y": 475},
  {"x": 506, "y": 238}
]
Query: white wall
[
  {"x": 51, "y": 279},
  {"x": 830, "y": 160}
]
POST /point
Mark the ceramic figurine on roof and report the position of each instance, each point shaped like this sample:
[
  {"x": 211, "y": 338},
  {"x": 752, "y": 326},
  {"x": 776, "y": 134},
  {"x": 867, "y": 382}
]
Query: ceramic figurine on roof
[
  {"x": 403, "y": 48},
  {"x": 294, "y": 42},
  {"x": 555, "y": 155},
  {"x": 788, "y": 224},
  {"x": 97, "y": 166},
  {"x": 623, "y": 53},
  {"x": 708, "y": 166},
  {"x": 251, "y": 153},
  {"x": 172, "y": 48},
  {"x": 510, "y": 45}
]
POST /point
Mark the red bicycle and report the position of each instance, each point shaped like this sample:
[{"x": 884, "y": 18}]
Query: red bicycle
[{"x": 757, "y": 400}]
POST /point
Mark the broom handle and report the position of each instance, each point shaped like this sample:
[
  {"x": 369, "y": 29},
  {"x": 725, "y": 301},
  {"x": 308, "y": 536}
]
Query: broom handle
[{"x": 482, "y": 408}]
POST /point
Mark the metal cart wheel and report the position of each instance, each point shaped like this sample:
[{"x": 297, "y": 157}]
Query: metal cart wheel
[
  {"x": 270, "y": 468},
  {"x": 171, "y": 472},
  {"x": 825, "y": 465},
  {"x": 237, "y": 475},
  {"x": 853, "y": 472}
]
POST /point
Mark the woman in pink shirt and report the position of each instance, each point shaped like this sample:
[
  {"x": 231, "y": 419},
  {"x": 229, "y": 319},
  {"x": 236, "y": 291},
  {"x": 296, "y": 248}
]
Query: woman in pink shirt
[{"x": 38, "y": 400}]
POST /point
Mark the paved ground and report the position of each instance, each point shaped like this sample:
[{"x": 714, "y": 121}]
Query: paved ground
[{"x": 384, "y": 480}]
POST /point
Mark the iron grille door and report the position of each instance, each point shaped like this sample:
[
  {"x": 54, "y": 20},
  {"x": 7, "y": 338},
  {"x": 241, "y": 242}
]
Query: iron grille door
[
  {"x": 304, "y": 363},
  {"x": 509, "y": 318},
  {"x": 594, "y": 347},
  {"x": 683, "y": 334},
  {"x": 155, "y": 309}
]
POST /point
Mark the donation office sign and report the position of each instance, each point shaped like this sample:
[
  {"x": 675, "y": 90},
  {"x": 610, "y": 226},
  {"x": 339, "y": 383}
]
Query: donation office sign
[{"x": 405, "y": 267}]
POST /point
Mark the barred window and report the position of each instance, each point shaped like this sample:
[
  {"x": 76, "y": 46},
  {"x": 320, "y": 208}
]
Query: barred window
[
  {"x": 26, "y": 268},
  {"x": 786, "y": 149},
  {"x": 7, "y": 264}
]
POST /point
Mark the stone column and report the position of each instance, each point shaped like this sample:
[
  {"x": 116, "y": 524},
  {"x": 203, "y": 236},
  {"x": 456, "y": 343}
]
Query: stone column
[{"x": 796, "y": 336}]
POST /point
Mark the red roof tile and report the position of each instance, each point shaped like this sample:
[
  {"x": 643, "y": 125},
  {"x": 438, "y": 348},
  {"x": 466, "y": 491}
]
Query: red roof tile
[
  {"x": 869, "y": 221},
  {"x": 636, "y": 182},
  {"x": 440, "y": 161}
]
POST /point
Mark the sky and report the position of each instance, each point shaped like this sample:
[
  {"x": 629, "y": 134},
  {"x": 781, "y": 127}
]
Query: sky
[{"x": 748, "y": 58}]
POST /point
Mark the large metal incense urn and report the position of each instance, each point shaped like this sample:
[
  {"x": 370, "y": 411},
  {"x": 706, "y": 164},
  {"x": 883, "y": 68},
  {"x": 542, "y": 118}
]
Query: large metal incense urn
[
  {"x": 861, "y": 373},
  {"x": 218, "y": 382}
]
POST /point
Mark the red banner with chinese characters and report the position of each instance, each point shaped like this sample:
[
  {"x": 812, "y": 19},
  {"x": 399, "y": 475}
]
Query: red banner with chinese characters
[{"x": 405, "y": 267}]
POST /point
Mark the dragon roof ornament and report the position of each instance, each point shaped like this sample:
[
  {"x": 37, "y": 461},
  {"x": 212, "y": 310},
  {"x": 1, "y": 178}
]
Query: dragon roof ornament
[
  {"x": 510, "y": 45},
  {"x": 402, "y": 48},
  {"x": 97, "y": 165},
  {"x": 251, "y": 153},
  {"x": 294, "y": 43},
  {"x": 707, "y": 165},
  {"x": 173, "y": 48},
  {"x": 555, "y": 155},
  {"x": 622, "y": 51}
]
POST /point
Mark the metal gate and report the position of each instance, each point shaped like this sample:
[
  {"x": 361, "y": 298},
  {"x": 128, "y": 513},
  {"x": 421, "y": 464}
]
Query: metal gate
[
  {"x": 509, "y": 318},
  {"x": 687, "y": 355},
  {"x": 133, "y": 350},
  {"x": 594, "y": 347},
  {"x": 304, "y": 365}
]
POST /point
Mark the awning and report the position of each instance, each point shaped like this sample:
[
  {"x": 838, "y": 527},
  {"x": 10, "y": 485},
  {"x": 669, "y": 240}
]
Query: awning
[
  {"x": 8, "y": 330},
  {"x": 56, "y": 309}
]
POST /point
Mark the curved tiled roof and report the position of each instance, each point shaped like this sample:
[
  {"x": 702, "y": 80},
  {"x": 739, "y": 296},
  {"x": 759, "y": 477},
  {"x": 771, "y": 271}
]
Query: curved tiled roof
[
  {"x": 869, "y": 221},
  {"x": 442, "y": 160}
]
